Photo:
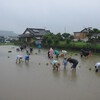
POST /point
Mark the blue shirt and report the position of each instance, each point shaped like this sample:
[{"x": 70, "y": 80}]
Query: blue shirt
[
  {"x": 65, "y": 62},
  {"x": 26, "y": 57},
  {"x": 39, "y": 46},
  {"x": 56, "y": 52},
  {"x": 54, "y": 62}
]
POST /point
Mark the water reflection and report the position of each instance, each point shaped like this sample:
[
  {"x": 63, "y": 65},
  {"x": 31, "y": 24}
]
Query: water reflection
[
  {"x": 26, "y": 81},
  {"x": 27, "y": 64},
  {"x": 98, "y": 74},
  {"x": 56, "y": 73},
  {"x": 73, "y": 75},
  {"x": 19, "y": 64},
  {"x": 65, "y": 72}
]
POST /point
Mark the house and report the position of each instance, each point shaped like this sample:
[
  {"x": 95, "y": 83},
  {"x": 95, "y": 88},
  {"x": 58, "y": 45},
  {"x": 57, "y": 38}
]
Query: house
[
  {"x": 33, "y": 34},
  {"x": 82, "y": 35},
  {"x": 79, "y": 35}
]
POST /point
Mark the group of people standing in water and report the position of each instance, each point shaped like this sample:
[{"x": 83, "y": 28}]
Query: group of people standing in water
[
  {"x": 26, "y": 57},
  {"x": 55, "y": 54},
  {"x": 56, "y": 64},
  {"x": 19, "y": 58}
]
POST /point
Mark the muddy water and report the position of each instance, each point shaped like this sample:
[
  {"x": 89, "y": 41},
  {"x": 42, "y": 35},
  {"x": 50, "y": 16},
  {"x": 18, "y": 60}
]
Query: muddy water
[{"x": 37, "y": 80}]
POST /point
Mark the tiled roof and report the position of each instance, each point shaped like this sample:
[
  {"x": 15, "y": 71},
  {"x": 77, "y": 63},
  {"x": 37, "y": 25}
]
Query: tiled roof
[
  {"x": 37, "y": 31},
  {"x": 34, "y": 32}
]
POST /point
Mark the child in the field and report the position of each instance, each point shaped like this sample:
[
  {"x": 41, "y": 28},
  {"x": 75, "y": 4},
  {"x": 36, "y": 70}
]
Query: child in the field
[
  {"x": 51, "y": 52},
  {"x": 27, "y": 58},
  {"x": 31, "y": 49},
  {"x": 97, "y": 67},
  {"x": 19, "y": 59},
  {"x": 55, "y": 64},
  {"x": 64, "y": 63},
  {"x": 56, "y": 52},
  {"x": 64, "y": 52}
]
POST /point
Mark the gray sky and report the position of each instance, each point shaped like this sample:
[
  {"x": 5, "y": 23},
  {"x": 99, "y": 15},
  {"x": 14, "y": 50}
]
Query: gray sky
[{"x": 54, "y": 15}]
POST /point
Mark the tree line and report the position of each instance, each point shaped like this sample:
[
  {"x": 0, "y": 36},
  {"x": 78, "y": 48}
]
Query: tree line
[
  {"x": 65, "y": 40},
  {"x": 51, "y": 39}
]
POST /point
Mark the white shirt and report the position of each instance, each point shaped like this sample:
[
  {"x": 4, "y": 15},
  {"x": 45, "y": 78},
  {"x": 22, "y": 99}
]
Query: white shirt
[
  {"x": 97, "y": 65},
  {"x": 19, "y": 56},
  {"x": 54, "y": 62},
  {"x": 64, "y": 51}
]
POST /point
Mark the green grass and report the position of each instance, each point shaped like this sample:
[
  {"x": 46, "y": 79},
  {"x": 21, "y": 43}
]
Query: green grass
[
  {"x": 98, "y": 46},
  {"x": 62, "y": 42},
  {"x": 6, "y": 43},
  {"x": 80, "y": 45}
]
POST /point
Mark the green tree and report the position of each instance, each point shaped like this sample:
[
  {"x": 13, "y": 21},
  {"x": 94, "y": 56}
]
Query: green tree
[
  {"x": 44, "y": 40},
  {"x": 95, "y": 32},
  {"x": 93, "y": 36},
  {"x": 59, "y": 36},
  {"x": 66, "y": 35},
  {"x": 68, "y": 40},
  {"x": 89, "y": 35},
  {"x": 56, "y": 41},
  {"x": 47, "y": 40},
  {"x": 71, "y": 37}
]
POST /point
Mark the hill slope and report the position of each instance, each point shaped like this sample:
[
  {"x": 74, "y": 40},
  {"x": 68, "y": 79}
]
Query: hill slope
[{"x": 7, "y": 33}]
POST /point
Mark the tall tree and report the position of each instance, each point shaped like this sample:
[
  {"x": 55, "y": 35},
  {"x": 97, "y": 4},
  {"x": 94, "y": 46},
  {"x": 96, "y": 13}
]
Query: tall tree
[
  {"x": 89, "y": 34},
  {"x": 47, "y": 39},
  {"x": 66, "y": 35},
  {"x": 59, "y": 36},
  {"x": 96, "y": 32}
]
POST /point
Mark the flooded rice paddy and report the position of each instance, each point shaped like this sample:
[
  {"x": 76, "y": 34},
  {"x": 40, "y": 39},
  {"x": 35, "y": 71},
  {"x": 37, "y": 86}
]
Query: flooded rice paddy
[{"x": 37, "y": 80}]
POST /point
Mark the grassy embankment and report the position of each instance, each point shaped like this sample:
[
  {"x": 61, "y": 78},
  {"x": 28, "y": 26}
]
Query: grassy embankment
[{"x": 80, "y": 45}]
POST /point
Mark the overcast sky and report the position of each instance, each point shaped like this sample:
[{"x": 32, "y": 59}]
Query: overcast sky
[{"x": 54, "y": 15}]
